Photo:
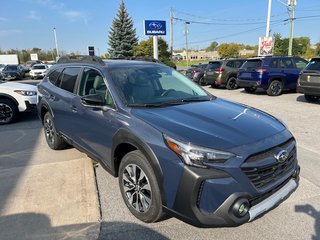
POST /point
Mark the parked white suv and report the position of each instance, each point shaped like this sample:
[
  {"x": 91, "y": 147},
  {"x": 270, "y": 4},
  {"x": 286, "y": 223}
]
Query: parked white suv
[
  {"x": 16, "y": 98},
  {"x": 38, "y": 71}
]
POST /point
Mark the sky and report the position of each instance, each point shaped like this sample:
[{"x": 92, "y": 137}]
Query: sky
[{"x": 25, "y": 24}]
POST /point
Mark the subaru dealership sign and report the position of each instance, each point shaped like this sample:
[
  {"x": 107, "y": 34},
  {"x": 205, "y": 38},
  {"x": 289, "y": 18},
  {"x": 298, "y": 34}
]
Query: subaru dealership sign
[{"x": 154, "y": 27}]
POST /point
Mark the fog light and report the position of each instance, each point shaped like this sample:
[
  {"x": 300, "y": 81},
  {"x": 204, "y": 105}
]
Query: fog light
[{"x": 241, "y": 207}]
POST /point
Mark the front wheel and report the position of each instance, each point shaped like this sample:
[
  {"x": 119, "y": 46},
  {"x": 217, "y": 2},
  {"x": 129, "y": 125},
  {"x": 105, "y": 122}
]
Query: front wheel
[
  {"x": 202, "y": 82},
  {"x": 275, "y": 88},
  {"x": 139, "y": 187},
  {"x": 311, "y": 98},
  {"x": 54, "y": 140},
  {"x": 8, "y": 111},
  {"x": 232, "y": 83}
]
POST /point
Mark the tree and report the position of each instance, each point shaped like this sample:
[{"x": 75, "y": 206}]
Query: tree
[
  {"x": 212, "y": 46},
  {"x": 145, "y": 49},
  {"x": 122, "y": 35},
  {"x": 228, "y": 50},
  {"x": 317, "y": 51},
  {"x": 300, "y": 46}
]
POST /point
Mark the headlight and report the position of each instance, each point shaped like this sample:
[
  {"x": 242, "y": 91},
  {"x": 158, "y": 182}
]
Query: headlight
[
  {"x": 195, "y": 155},
  {"x": 26, "y": 93}
]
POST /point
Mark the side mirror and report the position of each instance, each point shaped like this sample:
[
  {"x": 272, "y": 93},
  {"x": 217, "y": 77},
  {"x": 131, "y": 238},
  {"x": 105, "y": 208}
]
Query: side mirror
[{"x": 93, "y": 101}]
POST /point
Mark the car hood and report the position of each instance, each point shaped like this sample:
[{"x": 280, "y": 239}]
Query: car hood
[
  {"x": 216, "y": 124},
  {"x": 17, "y": 86}
]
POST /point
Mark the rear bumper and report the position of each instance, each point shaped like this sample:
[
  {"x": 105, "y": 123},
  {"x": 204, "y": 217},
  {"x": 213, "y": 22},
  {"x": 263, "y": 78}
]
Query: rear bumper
[
  {"x": 247, "y": 83},
  {"x": 213, "y": 79}
]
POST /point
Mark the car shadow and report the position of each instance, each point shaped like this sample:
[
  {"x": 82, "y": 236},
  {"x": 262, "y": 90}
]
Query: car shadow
[
  {"x": 125, "y": 230},
  {"x": 301, "y": 98},
  {"x": 260, "y": 91},
  {"x": 312, "y": 212}
]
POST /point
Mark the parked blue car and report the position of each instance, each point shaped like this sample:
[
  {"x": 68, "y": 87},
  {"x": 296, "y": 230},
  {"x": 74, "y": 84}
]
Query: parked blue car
[
  {"x": 176, "y": 148},
  {"x": 273, "y": 74}
]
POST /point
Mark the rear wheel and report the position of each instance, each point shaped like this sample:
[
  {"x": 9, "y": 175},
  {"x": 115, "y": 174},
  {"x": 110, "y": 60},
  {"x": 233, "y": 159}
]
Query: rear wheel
[
  {"x": 202, "y": 82},
  {"x": 54, "y": 140},
  {"x": 8, "y": 111},
  {"x": 275, "y": 88},
  {"x": 232, "y": 83},
  {"x": 139, "y": 187},
  {"x": 250, "y": 89},
  {"x": 311, "y": 98}
]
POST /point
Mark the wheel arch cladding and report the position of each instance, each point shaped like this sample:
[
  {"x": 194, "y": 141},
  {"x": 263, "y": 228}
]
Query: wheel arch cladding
[
  {"x": 8, "y": 97},
  {"x": 124, "y": 142}
]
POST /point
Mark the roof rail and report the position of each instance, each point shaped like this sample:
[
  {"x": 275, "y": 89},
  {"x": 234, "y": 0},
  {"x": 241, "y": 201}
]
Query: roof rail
[
  {"x": 81, "y": 59},
  {"x": 138, "y": 58}
]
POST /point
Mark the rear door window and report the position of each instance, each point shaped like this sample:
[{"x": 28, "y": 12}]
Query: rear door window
[
  {"x": 69, "y": 78},
  {"x": 54, "y": 77},
  {"x": 254, "y": 63},
  {"x": 286, "y": 63},
  {"x": 273, "y": 63}
]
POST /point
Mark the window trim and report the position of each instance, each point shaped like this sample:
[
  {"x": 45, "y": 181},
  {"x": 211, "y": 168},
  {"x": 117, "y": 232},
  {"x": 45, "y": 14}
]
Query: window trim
[{"x": 77, "y": 89}]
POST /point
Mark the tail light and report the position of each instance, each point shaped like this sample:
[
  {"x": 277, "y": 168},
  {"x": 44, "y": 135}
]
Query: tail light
[
  {"x": 261, "y": 70},
  {"x": 196, "y": 71},
  {"x": 219, "y": 70}
]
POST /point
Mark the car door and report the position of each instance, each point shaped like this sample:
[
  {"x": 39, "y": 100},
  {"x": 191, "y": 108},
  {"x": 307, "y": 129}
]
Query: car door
[
  {"x": 94, "y": 127},
  {"x": 61, "y": 100},
  {"x": 290, "y": 71}
]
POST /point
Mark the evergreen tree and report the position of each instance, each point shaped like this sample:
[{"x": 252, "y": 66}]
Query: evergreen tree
[{"x": 122, "y": 36}]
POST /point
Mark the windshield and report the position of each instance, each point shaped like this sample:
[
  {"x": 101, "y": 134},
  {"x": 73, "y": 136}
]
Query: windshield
[
  {"x": 11, "y": 68},
  {"x": 314, "y": 65},
  {"x": 155, "y": 85},
  {"x": 213, "y": 65},
  {"x": 39, "y": 67}
]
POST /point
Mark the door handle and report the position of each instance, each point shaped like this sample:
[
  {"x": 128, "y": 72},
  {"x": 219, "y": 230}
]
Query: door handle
[{"x": 74, "y": 108}]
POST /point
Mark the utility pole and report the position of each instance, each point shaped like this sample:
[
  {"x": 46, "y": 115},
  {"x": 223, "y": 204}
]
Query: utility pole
[
  {"x": 268, "y": 19},
  {"x": 291, "y": 6},
  {"x": 56, "y": 41},
  {"x": 171, "y": 33},
  {"x": 186, "y": 33}
]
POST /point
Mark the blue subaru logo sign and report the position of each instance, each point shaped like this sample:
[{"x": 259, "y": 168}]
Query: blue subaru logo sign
[{"x": 154, "y": 27}]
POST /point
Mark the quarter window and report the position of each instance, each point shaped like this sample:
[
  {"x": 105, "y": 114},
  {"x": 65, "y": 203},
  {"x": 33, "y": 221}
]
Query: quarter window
[
  {"x": 69, "y": 78},
  {"x": 300, "y": 63},
  {"x": 54, "y": 77}
]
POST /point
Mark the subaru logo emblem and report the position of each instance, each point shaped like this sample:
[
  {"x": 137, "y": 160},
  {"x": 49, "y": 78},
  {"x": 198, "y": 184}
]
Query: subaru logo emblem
[
  {"x": 281, "y": 156},
  {"x": 155, "y": 25}
]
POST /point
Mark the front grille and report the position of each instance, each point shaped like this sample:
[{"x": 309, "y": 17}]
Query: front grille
[{"x": 262, "y": 176}]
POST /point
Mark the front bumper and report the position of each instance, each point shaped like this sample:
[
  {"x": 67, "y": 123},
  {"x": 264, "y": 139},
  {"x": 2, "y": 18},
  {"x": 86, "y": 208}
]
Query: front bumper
[
  {"x": 313, "y": 91},
  {"x": 196, "y": 185}
]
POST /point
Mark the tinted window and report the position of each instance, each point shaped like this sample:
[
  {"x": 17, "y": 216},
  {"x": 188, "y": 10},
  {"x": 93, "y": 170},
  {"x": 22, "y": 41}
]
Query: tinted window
[
  {"x": 254, "y": 63},
  {"x": 314, "y": 65},
  {"x": 213, "y": 65},
  {"x": 11, "y": 68},
  {"x": 300, "y": 63},
  {"x": 69, "y": 77},
  {"x": 273, "y": 63},
  {"x": 286, "y": 63},
  {"x": 54, "y": 77}
]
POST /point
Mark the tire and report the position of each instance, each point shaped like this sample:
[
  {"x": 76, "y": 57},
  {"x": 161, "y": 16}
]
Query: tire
[
  {"x": 275, "y": 88},
  {"x": 53, "y": 139},
  {"x": 9, "y": 111},
  {"x": 143, "y": 185},
  {"x": 202, "y": 82},
  {"x": 250, "y": 89},
  {"x": 232, "y": 83},
  {"x": 311, "y": 98}
]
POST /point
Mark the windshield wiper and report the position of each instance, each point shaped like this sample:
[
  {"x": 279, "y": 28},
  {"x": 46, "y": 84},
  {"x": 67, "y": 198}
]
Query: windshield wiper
[{"x": 168, "y": 103}]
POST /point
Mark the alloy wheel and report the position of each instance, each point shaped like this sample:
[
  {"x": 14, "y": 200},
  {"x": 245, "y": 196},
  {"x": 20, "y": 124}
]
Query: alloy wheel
[
  {"x": 6, "y": 113},
  {"x": 49, "y": 130},
  {"x": 137, "y": 188}
]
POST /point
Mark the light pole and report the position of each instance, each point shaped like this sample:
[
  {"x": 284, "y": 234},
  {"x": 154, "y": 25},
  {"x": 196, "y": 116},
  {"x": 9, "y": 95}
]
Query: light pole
[
  {"x": 291, "y": 5},
  {"x": 186, "y": 33},
  {"x": 268, "y": 19},
  {"x": 56, "y": 41}
]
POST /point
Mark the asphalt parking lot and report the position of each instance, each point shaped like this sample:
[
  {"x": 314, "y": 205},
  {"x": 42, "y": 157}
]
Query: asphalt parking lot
[{"x": 296, "y": 218}]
